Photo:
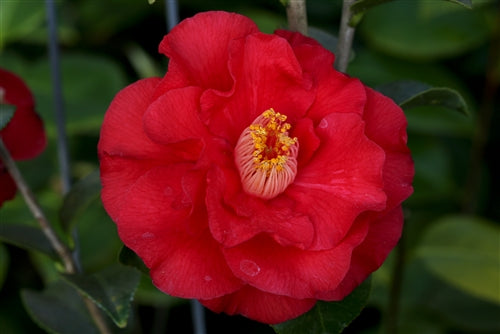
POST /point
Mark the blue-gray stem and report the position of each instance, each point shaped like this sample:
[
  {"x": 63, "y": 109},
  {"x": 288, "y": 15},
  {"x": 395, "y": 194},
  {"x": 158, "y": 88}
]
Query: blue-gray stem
[
  {"x": 346, "y": 36},
  {"x": 55, "y": 69},
  {"x": 172, "y": 13}
]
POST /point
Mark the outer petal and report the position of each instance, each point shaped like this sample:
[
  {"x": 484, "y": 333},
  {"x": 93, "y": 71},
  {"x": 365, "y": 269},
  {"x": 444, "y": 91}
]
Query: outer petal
[
  {"x": 8, "y": 187},
  {"x": 386, "y": 125},
  {"x": 343, "y": 179},
  {"x": 198, "y": 47},
  {"x": 292, "y": 272},
  {"x": 174, "y": 116},
  {"x": 162, "y": 221},
  {"x": 382, "y": 237},
  {"x": 15, "y": 90},
  {"x": 266, "y": 75},
  {"x": 261, "y": 306}
]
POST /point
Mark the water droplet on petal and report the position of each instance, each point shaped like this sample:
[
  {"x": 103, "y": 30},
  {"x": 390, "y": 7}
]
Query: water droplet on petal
[
  {"x": 168, "y": 191},
  {"x": 249, "y": 267},
  {"x": 207, "y": 278},
  {"x": 323, "y": 124},
  {"x": 148, "y": 235}
]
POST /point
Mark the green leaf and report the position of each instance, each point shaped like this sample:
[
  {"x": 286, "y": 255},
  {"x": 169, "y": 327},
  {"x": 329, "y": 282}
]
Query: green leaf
[
  {"x": 27, "y": 237},
  {"x": 361, "y": 6},
  {"x": 79, "y": 198},
  {"x": 412, "y": 94},
  {"x": 464, "y": 251},
  {"x": 151, "y": 1},
  {"x": 4, "y": 264},
  {"x": 425, "y": 30},
  {"x": 112, "y": 289},
  {"x": 328, "y": 317},
  {"x": 6, "y": 113},
  {"x": 58, "y": 309},
  {"x": 129, "y": 258}
]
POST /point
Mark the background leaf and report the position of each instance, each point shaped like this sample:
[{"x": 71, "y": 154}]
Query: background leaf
[
  {"x": 4, "y": 263},
  {"x": 464, "y": 251},
  {"x": 79, "y": 198},
  {"x": 27, "y": 237},
  {"x": 129, "y": 258},
  {"x": 6, "y": 113},
  {"x": 412, "y": 94},
  {"x": 58, "y": 309},
  {"x": 112, "y": 289},
  {"x": 328, "y": 317}
]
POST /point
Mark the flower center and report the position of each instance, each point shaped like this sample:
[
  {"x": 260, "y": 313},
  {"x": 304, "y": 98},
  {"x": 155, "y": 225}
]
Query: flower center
[{"x": 266, "y": 156}]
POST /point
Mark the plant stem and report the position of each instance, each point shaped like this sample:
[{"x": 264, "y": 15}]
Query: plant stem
[
  {"x": 395, "y": 288},
  {"x": 297, "y": 16},
  {"x": 346, "y": 36},
  {"x": 70, "y": 266},
  {"x": 172, "y": 13},
  {"x": 61, "y": 249}
]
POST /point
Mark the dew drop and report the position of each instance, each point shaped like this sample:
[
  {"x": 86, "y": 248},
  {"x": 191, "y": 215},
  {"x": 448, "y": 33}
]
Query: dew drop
[
  {"x": 249, "y": 267},
  {"x": 148, "y": 235},
  {"x": 168, "y": 191},
  {"x": 207, "y": 278},
  {"x": 323, "y": 124}
]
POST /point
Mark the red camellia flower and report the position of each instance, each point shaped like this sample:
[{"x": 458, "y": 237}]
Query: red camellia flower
[
  {"x": 253, "y": 176},
  {"x": 24, "y": 135}
]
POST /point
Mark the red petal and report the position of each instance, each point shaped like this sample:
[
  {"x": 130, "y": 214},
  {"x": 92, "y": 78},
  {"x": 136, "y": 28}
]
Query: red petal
[
  {"x": 24, "y": 136},
  {"x": 292, "y": 272},
  {"x": 15, "y": 90},
  {"x": 260, "y": 306},
  {"x": 122, "y": 133},
  {"x": 266, "y": 75},
  {"x": 342, "y": 180},
  {"x": 382, "y": 237},
  {"x": 308, "y": 140},
  {"x": 386, "y": 125},
  {"x": 7, "y": 186},
  {"x": 235, "y": 217},
  {"x": 161, "y": 220},
  {"x": 198, "y": 47},
  {"x": 173, "y": 117}
]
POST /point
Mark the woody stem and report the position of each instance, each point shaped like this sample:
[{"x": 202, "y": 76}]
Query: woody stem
[
  {"x": 346, "y": 36},
  {"x": 297, "y": 16}
]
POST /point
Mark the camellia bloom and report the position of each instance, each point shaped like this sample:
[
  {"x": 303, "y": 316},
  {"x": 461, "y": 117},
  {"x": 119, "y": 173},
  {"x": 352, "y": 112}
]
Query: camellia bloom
[
  {"x": 253, "y": 176},
  {"x": 24, "y": 135}
]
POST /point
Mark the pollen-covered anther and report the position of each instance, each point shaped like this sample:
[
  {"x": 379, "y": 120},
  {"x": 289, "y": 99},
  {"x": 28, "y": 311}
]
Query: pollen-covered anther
[{"x": 266, "y": 156}]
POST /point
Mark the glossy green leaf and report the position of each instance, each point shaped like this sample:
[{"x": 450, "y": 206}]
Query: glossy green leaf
[
  {"x": 112, "y": 289},
  {"x": 151, "y": 1},
  {"x": 464, "y": 251},
  {"x": 6, "y": 113},
  {"x": 129, "y": 258},
  {"x": 4, "y": 264},
  {"x": 425, "y": 30},
  {"x": 58, "y": 309},
  {"x": 361, "y": 6},
  {"x": 79, "y": 198},
  {"x": 328, "y": 317},
  {"x": 411, "y": 94},
  {"x": 27, "y": 237}
]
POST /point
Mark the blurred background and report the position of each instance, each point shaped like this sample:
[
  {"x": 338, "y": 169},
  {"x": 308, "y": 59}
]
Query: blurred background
[{"x": 444, "y": 276}]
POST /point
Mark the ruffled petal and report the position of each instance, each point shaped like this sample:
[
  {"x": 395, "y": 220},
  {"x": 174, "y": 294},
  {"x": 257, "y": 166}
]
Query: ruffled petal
[
  {"x": 198, "y": 47},
  {"x": 288, "y": 271},
  {"x": 274, "y": 81},
  {"x": 174, "y": 116},
  {"x": 15, "y": 90},
  {"x": 235, "y": 217},
  {"x": 342, "y": 180},
  {"x": 122, "y": 133},
  {"x": 259, "y": 305},
  {"x": 382, "y": 237},
  {"x": 162, "y": 222}
]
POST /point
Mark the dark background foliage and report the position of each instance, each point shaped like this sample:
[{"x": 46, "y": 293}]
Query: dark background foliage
[{"x": 444, "y": 276}]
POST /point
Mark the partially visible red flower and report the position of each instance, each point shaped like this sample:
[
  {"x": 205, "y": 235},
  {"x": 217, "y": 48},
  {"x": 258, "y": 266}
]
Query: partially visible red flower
[
  {"x": 24, "y": 135},
  {"x": 253, "y": 176}
]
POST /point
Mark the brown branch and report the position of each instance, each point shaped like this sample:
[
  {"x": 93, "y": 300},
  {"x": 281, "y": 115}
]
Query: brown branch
[
  {"x": 70, "y": 266},
  {"x": 297, "y": 16},
  {"x": 346, "y": 36}
]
